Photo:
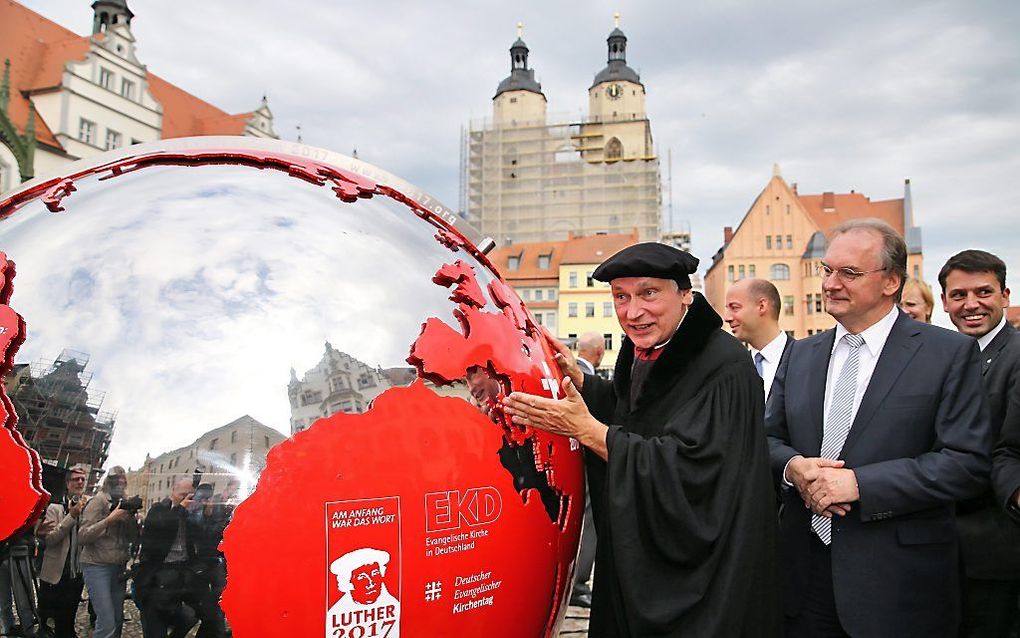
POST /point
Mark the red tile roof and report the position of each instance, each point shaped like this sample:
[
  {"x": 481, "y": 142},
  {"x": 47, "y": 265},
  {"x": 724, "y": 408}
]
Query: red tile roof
[
  {"x": 38, "y": 50},
  {"x": 829, "y": 210},
  {"x": 595, "y": 249},
  {"x": 528, "y": 273}
]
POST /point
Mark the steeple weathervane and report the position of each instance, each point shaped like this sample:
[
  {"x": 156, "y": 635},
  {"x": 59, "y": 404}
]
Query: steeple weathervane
[
  {"x": 520, "y": 29},
  {"x": 616, "y": 20}
]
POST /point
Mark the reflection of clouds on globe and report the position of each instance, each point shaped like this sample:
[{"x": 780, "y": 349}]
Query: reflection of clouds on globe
[{"x": 195, "y": 289}]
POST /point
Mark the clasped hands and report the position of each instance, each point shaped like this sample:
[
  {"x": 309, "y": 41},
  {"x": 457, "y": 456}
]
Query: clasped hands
[{"x": 825, "y": 486}]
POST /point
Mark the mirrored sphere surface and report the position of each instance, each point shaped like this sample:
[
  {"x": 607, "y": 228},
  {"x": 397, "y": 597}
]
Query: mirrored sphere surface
[{"x": 314, "y": 361}]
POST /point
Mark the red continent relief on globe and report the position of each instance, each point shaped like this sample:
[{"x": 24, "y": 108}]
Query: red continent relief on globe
[
  {"x": 475, "y": 518},
  {"x": 184, "y": 278}
]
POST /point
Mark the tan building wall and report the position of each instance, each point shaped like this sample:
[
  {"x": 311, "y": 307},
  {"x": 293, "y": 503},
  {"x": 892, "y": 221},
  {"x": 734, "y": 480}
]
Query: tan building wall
[{"x": 782, "y": 238}]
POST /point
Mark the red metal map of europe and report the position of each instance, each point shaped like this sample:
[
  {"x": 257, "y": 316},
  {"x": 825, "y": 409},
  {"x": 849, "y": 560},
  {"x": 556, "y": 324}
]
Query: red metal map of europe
[{"x": 426, "y": 515}]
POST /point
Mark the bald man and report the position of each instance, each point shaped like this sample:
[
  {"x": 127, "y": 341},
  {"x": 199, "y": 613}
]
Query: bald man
[
  {"x": 591, "y": 347},
  {"x": 752, "y": 312}
]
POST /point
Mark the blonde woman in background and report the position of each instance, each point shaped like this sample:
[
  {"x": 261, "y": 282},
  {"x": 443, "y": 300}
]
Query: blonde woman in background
[{"x": 917, "y": 300}]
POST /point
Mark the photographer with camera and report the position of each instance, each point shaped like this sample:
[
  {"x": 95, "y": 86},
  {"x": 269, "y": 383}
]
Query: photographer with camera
[
  {"x": 108, "y": 527},
  {"x": 60, "y": 579},
  {"x": 171, "y": 587}
]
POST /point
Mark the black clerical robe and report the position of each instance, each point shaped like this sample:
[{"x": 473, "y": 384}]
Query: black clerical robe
[{"x": 684, "y": 507}]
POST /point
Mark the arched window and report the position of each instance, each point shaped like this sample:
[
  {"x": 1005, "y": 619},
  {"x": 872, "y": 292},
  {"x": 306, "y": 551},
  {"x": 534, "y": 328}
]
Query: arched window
[
  {"x": 614, "y": 149},
  {"x": 779, "y": 272}
]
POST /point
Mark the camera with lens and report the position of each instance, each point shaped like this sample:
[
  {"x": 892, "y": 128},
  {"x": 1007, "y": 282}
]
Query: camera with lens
[{"x": 131, "y": 504}]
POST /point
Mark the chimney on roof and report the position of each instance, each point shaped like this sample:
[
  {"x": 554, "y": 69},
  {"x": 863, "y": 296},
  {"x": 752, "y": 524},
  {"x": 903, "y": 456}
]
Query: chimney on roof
[
  {"x": 727, "y": 234},
  {"x": 775, "y": 171},
  {"x": 829, "y": 202},
  {"x": 908, "y": 206}
]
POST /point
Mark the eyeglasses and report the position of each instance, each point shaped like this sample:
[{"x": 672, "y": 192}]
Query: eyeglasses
[{"x": 846, "y": 275}]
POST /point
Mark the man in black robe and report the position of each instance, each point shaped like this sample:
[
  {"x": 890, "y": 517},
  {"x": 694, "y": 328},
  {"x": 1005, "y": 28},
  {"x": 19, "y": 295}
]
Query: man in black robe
[{"x": 677, "y": 462}]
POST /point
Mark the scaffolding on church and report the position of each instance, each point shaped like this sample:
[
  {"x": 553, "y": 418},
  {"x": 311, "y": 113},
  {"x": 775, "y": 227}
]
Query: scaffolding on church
[{"x": 540, "y": 181}]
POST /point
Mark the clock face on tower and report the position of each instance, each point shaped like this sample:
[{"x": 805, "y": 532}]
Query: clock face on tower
[{"x": 614, "y": 92}]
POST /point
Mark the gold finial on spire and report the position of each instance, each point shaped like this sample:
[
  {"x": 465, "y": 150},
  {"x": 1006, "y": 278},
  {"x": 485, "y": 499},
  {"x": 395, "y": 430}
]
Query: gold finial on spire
[
  {"x": 520, "y": 29},
  {"x": 616, "y": 19}
]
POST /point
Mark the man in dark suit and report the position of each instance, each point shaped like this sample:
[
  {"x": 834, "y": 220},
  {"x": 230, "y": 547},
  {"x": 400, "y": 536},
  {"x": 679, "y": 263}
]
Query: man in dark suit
[
  {"x": 975, "y": 296},
  {"x": 877, "y": 428},
  {"x": 752, "y": 312}
]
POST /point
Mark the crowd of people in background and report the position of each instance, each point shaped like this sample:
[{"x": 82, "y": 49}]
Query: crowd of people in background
[{"x": 168, "y": 560}]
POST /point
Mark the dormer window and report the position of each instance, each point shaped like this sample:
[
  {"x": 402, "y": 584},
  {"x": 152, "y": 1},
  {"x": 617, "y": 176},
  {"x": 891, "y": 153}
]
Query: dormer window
[
  {"x": 127, "y": 88},
  {"x": 544, "y": 261},
  {"x": 513, "y": 262}
]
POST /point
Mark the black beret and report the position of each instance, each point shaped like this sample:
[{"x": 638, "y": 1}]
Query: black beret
[{"x": 649, "y": 259}]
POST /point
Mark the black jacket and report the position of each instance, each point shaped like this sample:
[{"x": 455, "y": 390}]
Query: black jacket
[
  {"x": 683, "y": 508},
  {"x": 990, "y": 541}
]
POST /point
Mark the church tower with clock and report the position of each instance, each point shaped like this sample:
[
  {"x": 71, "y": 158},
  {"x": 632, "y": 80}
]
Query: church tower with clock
[
  {"x": 617, "y": 128},
  {"x": 531, "y": 176}
]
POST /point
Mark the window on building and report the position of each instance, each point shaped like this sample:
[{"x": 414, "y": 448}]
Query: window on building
[
  {"x": 614, "y": 149},
  {"x": 751, "y": 271},
  {"x": 607, "y": 309},
  {"x": 608, "y": 337},
  {"x": 544, "y": 261},
  {"x": 788, "y": 304},
  {"x": 779, "y": 272},
  {"x": 740, "y": 272},
  {"x": 572, "y": 278},
  {"x": 768, "y": 242},
  {"x": 917, "y": 271},
  {"x": 538, "y": 318},
  {"x": 767, "y": 209},
  {"x": 212, "y": 444},
  {"x": 526, "y": 294},
  {"x": 513, "y": 262},
  {"x": 266, "y": 439},
  {"x": 729, "y": 273},
  {"x": 589, "y": 309},
  {"x": 552, "y": 294},
  {"x": 789, "y": 241},
  {"x": 134, "y": 141},
  {"x": 127, "y": 88},
  {"x": 106, "y": 78},
  {"x": 818, "y": 303},
  {"x": 233, "y": 459},
  {"x": 113, "y": 139},
  {"x": 787, "y": 209},
  {"x": 87, "y": 131},
  {"x": 789, "y": 333},
  {"x": 779, "y": 242},
  {"x": 233, "y": 436},
  {"x": 591, "y": 282},
  {"x": 810, "y": 303},
  {"x": 538, "y": 294},
  {"x": 572, "y": 309}
]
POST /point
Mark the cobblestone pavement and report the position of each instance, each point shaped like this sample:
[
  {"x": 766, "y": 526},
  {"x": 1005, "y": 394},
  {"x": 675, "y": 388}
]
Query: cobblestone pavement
[{"x": 575, "y": 625}]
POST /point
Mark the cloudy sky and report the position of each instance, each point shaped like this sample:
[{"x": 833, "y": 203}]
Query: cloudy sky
[{"x": 843, "y": 95}]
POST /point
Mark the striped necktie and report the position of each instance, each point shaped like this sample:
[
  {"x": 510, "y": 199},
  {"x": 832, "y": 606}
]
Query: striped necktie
[{"x": 837, "y": 427}]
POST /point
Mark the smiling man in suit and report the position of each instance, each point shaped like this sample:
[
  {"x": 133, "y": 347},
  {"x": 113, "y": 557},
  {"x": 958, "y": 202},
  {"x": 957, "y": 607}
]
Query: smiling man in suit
[
  {"x": 975, "y": 296},
  {"x": 876, "y": 428},
  {"x": 752, "y": 312}
]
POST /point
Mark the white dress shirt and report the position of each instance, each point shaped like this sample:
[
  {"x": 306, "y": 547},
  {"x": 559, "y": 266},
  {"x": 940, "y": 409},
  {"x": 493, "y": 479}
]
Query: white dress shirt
[
  {"x": 874, "y": 341},
  {"x": 770, "y": 356},
  {"x": 986, "y": 339},
  {"x": 875, "y": 337}
]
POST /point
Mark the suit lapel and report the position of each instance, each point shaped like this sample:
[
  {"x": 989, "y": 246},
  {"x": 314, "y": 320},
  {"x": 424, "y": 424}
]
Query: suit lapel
[
  {"x": 899, "y": 349},
  {"x": 817, "y": 373},
  {"x": 995, "y": 348}
]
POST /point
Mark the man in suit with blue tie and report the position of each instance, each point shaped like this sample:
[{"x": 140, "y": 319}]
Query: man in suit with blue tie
[{"x": 876, "y": 428}]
